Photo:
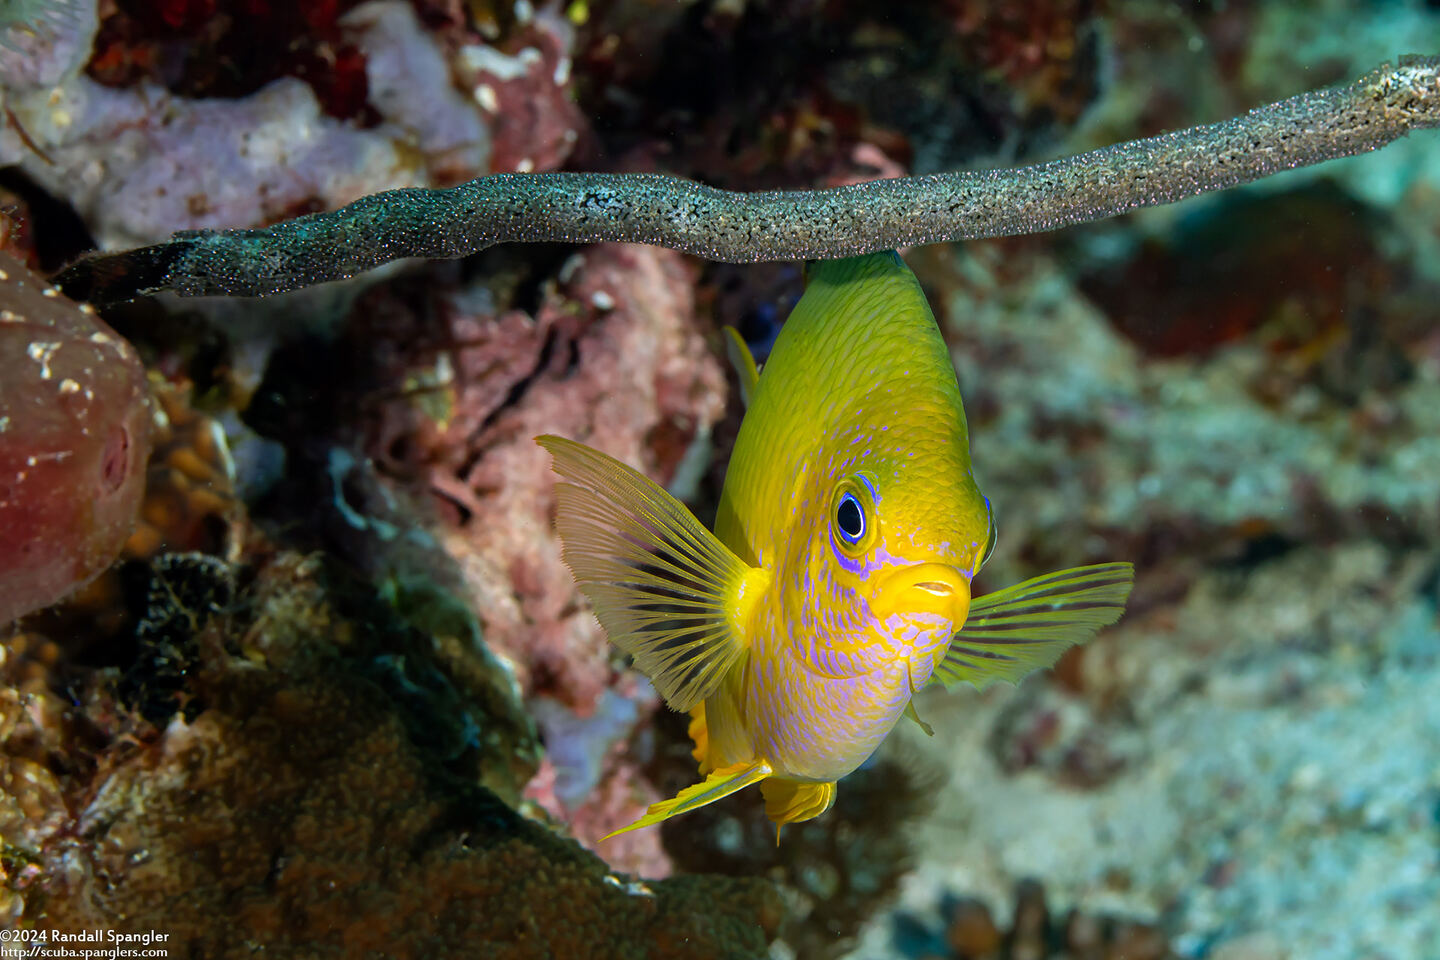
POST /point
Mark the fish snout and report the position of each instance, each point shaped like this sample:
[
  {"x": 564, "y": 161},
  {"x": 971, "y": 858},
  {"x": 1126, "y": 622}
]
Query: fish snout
[{"x": 935, "y": 589}]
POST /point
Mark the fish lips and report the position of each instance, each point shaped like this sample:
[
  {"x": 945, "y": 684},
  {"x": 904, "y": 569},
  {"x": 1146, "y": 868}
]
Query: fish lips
[{"x": 924, "y": 591}]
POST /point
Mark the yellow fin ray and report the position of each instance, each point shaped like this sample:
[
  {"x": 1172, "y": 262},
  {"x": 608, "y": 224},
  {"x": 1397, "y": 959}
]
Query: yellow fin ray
[
  {"x": 744, "y": 363},
  {"x": 719, "y": 785},
  {"x": 665, "y": 589},
  {"x": 792, "y": 801},
  {"x": 1026, "y": 627}
]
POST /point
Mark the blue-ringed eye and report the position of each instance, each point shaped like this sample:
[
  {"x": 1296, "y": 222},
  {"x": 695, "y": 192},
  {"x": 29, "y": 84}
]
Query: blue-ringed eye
[{"x": 850, "y": 518}]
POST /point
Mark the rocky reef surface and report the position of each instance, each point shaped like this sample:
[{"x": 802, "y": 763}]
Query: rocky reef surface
[
  {"x": 333, "y": 782},
  {"x": 338, "y": 696}
]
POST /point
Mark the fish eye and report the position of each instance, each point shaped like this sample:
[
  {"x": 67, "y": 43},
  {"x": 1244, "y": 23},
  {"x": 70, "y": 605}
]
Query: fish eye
[
  {"x": 990, "y": 540},
  {"x": 850, "y": 518}
]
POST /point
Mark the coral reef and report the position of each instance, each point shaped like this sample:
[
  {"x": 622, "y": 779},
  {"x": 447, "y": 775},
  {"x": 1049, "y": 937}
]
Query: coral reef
[
  {"x": 756, "y": 95},
  {"x": 479, "y": 385},
  {"x": 1032, "y": 933},
  {"x": 439, "y": 384},
  {"x": 194, "y": 126},
  {"x": 41, "y": 42},
  {"x": 586, "y": 780},
  {"x": 621, "y": 315},
  {"x": 352, "y": 839},
  {"x": 207, "y": 49},
  {"x": 163, "y": 158},
  {"x": 204, "y": 655},
  {"x": 331, "y": 667},
  {"x": 1214, "y": 751},
  {"x": 190, "y": 504}
]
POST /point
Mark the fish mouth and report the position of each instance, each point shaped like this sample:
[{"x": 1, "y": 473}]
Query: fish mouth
[{"x": 936, "y": 589}]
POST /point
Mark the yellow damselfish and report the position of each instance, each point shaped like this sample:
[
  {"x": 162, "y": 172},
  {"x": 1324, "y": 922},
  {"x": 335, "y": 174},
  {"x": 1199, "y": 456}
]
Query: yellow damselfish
[{"x": 837, "y": 581}]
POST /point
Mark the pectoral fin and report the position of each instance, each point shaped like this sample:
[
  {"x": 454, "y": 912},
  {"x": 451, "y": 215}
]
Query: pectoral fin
[
  {"x": 743, "y": 362},
  {"x": 1012, "y": 632},
  {"x": 719, "y": 785},
  {"x": 665, "y": 589}
]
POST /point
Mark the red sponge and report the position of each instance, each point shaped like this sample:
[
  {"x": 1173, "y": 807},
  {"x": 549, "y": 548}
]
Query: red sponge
[{"x": 74, "y": 438}]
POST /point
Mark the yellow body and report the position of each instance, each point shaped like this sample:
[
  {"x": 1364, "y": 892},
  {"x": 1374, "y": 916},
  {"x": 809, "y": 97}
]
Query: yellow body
[
  {"x": 859, "y": 382},
  {"x": 837, "y": 582}
]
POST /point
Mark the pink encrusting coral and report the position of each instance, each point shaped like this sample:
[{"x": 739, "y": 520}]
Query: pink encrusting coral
[
  {"x": 587, "y": 780},
  {"x": 611, "y": 357},
  {"x": 74, "y": 437},
  {"x": 527, "y": 98}
]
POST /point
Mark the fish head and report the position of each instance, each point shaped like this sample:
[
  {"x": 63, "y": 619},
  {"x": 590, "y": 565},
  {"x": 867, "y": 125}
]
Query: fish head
[
  {"x": 896, "y": 530},
  {"x": 852, "y": 475}
]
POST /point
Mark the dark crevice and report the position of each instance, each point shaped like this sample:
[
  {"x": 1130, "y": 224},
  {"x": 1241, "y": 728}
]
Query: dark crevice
[{"x": 56, "y": 229}]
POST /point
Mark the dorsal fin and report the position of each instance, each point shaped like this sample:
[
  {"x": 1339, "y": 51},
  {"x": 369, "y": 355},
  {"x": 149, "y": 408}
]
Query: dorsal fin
[{"x": 744, "y": 363}]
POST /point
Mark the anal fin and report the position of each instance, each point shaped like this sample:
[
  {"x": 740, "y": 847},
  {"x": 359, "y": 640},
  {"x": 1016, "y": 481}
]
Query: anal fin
[{"x": 719, "y": 785}]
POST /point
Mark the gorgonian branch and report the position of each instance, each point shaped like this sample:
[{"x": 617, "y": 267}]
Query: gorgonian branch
[{"x": 775, "y": 225}]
